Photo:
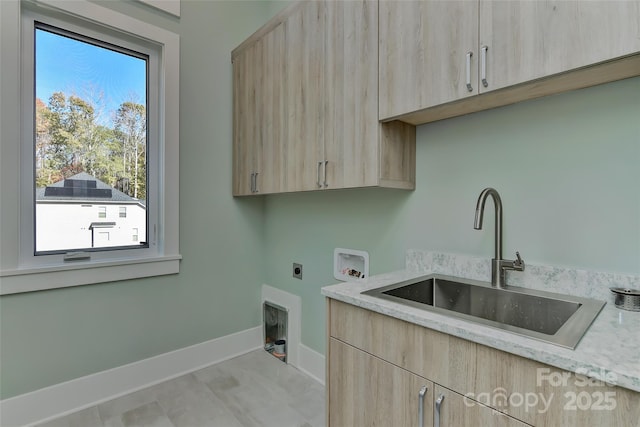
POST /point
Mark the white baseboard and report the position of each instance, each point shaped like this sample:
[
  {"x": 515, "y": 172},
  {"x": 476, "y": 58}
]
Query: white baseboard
[
  {"x": 312, "y": 363},
  {"x": 71, "y": 396}
]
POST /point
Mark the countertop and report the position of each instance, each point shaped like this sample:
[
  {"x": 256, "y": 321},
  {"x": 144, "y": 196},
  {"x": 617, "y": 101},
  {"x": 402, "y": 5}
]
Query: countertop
[{"x": 609, "y": 351}]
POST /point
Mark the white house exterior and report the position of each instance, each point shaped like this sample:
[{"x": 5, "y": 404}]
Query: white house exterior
[{"x": 82, "y": 212}]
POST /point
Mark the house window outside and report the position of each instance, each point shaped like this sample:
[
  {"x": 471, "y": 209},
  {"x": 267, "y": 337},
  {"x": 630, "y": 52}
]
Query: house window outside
[
  {"x": 102, "y": 212},
  {"x": 134, "y": 236},
  {"x": 123, "y": 212}
]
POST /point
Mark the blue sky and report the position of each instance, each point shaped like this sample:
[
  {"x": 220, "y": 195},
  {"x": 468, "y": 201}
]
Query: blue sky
[{"x": 74, "y": 67}]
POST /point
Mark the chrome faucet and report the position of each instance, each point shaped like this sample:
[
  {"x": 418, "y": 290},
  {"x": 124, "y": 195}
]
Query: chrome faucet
[{"x": 498, "y": 265}]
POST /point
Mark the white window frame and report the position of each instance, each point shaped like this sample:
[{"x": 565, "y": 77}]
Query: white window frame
[{"x": 20, "y": 269}]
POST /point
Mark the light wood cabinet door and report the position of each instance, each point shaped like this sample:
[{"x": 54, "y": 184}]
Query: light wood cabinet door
[
  {"x": 259, "y": 116},
  {"x": 358, "y": 150},
  {"x": 431, "y": 354},
  {"x": 572, "y": 400},
  {"x": 351, "y": 87},
  {"x": 423, "y": 48},
  {"x": 270, "y": 153},
  {"x": 455, "y": 410},
  {"x": 304, "y": 79},
  {"x": 245, "y": 119},
  {"x": 367, "y": 391},
  {"x": 529, "y": 40}
]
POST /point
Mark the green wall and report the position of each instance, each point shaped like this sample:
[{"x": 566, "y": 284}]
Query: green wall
[
  {"x": 567, "y": 168},
  {"x": 54, "y": 336}
]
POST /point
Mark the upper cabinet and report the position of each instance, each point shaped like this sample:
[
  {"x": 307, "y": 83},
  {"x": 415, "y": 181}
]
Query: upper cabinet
[
  {"x": 306, "y": 105},
  {"x": 327, "y": 94},
  {"x": 358, "y": 150},
  {"x": 435, "y": 56},
  {"x": 528, "y": 40},
  {"x": 259, "y": 115},
  {"x": 427, "y": 49},
  {"x": 304, "y": 81},
  {"x": 245, "y": 120}
]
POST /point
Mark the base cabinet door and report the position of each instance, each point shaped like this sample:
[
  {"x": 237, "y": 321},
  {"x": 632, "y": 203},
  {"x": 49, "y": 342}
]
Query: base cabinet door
[
  {"x": 455, "y": 410},
  {"x": 367, "y": 391}
]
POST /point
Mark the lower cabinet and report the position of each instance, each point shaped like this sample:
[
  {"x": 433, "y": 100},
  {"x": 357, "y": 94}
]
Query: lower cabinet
[
  {"x": 365, "y": 390},
  {"x": 378, "y": 366},
  {"x": 454, "y": 410}
]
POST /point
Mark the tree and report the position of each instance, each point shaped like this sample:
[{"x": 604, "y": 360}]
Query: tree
[
  {"x": 131, "y": 129},
  {"x": 70, "y": 140},
  {"x": 71, "y": 131},
  {"x": 46, "y": 173}
]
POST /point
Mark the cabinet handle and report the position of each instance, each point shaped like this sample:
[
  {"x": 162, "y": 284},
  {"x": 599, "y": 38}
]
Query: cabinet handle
[
  {"x": 436, "y": 422},
  {"x": 326, "y": 184},
  {"x": 421, "y": 394},
  {"x": 483, "y": 65},
  {"x": 251, "y": 182},
  {"x": 255, "y": 182},
  {"x": 469, "y": 87},
  {"x": 318, "y": 181}
]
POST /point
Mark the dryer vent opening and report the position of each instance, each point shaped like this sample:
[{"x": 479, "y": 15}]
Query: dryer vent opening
[{"x": 275, "y": 330}]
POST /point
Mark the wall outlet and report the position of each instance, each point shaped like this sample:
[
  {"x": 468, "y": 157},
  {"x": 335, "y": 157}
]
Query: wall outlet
[{"x": 297, "y": 270}]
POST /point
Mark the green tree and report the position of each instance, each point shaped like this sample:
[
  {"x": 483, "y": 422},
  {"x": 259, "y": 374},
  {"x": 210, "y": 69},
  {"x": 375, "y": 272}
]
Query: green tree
[{"x": 71, "y": 134}]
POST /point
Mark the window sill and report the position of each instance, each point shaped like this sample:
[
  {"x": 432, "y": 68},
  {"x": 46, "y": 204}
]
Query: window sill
[{"x": 85, "y": 273}]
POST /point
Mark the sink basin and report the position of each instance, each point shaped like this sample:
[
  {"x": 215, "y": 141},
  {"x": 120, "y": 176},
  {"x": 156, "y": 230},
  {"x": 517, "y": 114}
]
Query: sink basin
[{"x": 553, "y": 318}]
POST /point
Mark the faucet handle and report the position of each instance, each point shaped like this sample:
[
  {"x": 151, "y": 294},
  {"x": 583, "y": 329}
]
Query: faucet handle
[{"x": 519, "y": 262}]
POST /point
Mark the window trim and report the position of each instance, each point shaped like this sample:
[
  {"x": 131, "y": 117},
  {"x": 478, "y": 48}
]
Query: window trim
[
  {"x": 34, "y": 18},
  {"x": 18, "y": 272}
]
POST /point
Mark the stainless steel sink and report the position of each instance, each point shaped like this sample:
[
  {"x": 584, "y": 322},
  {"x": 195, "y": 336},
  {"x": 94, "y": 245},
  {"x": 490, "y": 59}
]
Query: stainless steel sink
[{"x": 553, "y": 318}]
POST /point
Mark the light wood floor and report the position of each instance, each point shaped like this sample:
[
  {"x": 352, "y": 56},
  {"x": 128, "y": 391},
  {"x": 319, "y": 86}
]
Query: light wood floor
[{"x": 254, "y": 389}]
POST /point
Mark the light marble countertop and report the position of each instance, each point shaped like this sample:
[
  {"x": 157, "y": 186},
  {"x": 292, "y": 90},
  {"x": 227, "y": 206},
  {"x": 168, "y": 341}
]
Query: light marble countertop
[{"x": 609, "y": 351}]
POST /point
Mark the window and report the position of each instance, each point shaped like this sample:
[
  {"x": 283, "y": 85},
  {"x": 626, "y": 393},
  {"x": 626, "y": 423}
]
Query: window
[
  {"x": 134, "y": 236},
  {"x": 148, "y": 174},
  {"x": 90, "y": 132}
]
